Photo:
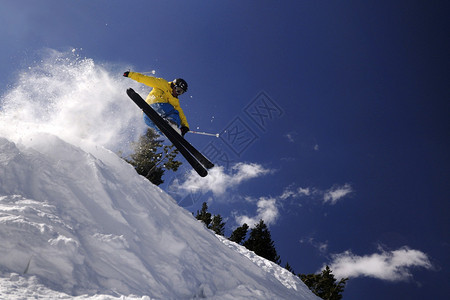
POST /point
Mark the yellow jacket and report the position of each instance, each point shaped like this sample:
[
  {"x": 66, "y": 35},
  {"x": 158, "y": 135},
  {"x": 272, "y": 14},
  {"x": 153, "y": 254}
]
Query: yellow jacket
[{"x": 161, "y": 93}]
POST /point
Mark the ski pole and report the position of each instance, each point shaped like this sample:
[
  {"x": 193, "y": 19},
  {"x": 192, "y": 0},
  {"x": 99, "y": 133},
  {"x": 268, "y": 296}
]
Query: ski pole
[{"x": 204, "y": 133}]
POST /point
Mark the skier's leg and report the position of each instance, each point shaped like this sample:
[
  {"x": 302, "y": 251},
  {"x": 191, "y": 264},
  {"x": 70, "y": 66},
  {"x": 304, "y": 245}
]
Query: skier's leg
[
  {"x": 168, "y": 113},
  {"x": 174, "y": 125},
  {"x": 152, "y": 125}
]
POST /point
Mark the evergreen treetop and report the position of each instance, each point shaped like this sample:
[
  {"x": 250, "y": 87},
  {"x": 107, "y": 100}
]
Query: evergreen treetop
[
  {"x": 324, "y": 284},
  {"x": 151, "y": 158},
  {"x": 239, "y": 234},
  {"x": 217, "y": 225},
  {"x": 260, "y": 241},
  {"x": 203, "y": 215}
]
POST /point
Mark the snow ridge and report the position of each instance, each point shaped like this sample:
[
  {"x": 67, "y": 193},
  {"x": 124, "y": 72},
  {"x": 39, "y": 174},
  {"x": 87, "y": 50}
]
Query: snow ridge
[{"x": 77, "y": 221}]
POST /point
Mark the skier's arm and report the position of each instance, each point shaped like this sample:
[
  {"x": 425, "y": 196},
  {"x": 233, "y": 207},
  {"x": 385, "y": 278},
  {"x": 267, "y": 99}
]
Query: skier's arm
[
  {"x": 154, "y": 82},
  {"x": 183, "y": 119}
]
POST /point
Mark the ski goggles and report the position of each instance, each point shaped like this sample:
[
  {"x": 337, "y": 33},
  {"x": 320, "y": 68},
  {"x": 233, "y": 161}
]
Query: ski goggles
[{"x": 179, "y": 90}]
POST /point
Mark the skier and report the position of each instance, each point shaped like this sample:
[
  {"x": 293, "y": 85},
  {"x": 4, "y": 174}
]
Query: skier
[{"x": 163, "y": 98}]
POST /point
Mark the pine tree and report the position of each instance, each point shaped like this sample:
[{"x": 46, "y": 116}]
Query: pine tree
[
  {"x": 217, "y": 225},
  {"x": 289, "y": 268},
  {"x": 239, "y": 234},
  {"x": 148, "y": 161},
  {"x": 260, "y": 241},
  {"x": 324, "y": 284},
  {"x": 204, "y": 215}
]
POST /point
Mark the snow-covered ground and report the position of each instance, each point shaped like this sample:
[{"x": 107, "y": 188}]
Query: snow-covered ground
[{"x": 76, "y": 221}]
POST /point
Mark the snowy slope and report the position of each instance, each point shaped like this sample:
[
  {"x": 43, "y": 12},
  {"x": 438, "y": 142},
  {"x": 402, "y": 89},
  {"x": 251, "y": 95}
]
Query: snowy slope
[{"x": 79, "y": 221}]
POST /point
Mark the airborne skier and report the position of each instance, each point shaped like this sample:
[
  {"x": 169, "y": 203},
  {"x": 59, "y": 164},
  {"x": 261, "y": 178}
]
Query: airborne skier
[
  {"x": 162, "y": 110},
  {"x": 163, "y": 98}
]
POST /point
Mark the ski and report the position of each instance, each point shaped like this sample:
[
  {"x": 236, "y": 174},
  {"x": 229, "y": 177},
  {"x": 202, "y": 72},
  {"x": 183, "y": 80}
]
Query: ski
[{"x": 194, "y": 157}]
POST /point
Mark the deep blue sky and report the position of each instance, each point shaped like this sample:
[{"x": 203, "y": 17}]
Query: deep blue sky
[{"x": 360, "y": 92}]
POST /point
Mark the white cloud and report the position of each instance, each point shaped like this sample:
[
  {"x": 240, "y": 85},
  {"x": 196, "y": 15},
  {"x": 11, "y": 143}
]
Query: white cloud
[
  {"x": 336, "y": 193},
  {"x": 321, "y": 246},
  {"x": 391, "y": 266},
  {"x": 218, "y": 181},
  {"x": 331, "y": 196},
  {"x": 295, "y": 193},
  {"x": 267, "y": 210},
  {"x": 268, "y": 207}
]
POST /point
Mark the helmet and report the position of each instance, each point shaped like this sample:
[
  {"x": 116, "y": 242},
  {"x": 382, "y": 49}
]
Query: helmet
[{"x": 181, "y": 83}]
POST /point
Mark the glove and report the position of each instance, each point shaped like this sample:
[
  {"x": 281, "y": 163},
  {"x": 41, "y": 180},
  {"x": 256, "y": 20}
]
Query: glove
[
  {"x": 126, "y": 74},
  {"x": 184, "y": 129}
]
